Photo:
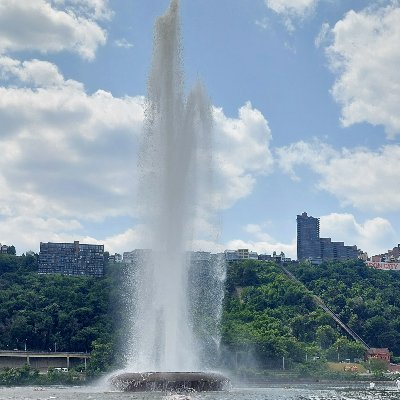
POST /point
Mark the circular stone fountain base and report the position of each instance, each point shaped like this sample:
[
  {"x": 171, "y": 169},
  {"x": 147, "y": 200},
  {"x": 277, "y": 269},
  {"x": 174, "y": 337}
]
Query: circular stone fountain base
[{"x": 170, "y": 381}]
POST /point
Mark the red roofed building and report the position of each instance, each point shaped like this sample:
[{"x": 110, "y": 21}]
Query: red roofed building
[{"x": 379, "y": 354}]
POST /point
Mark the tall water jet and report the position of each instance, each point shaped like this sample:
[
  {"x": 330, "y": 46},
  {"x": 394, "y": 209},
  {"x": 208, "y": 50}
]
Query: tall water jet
[{"x": 175, "y": 163}]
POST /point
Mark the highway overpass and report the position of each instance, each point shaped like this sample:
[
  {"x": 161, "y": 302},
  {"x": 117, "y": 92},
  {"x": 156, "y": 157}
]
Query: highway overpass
[{"x": 43, "y": 361}]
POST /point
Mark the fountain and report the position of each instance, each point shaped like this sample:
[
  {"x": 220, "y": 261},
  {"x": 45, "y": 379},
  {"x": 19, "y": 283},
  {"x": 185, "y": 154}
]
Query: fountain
[{"x": 175, "y": 162}]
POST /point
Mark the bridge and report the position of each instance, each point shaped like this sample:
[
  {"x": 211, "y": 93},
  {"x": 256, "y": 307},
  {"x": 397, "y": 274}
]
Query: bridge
[{"x": 43, "y": 361}]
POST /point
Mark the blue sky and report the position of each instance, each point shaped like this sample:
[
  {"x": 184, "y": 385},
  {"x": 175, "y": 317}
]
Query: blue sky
[{"x": 306, "y": 98}]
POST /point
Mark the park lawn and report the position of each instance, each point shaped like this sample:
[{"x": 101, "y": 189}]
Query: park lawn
[{"x": 346, "y": 367}]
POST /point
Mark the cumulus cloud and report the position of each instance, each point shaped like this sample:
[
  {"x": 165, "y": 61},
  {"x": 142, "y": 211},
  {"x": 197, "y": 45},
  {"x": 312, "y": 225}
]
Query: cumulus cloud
[
  {"x": 363, "y": 178},
  {"x": 45, "y": 26},
  {"x": 25, "y": 232},
  {"x": 94, "y": 9},
  {"x": 263, "y": 243},
  {"x": 242, "y": 153},
  {"x": 66, "y": 152},
  {"x": 133, "y": 238},
  {"x": 292, "y": 10},
  {"x": 33, "y": 72},
  {"x": 371, "y": 235},
  {"x": 365, "y": 57},
  {"x": 69, "y": 155},
  {"x": 260, "y": 241}
]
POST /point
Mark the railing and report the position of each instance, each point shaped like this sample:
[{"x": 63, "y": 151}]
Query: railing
[{"x": 29, "y": 353}]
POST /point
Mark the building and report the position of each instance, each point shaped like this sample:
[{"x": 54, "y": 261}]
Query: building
[
  {"x": 328, "y": 249},
  {"x": 278, "y": 258},
  {"x": 310, "y": 246},
  {"x": 308, "y": 243},
  {"x": 136, "y": 256},
  {"x": 379, "y": 354},
  {"x": 71, "y": 259},
  {"x": 240, "y": 254},
  {"x": 3, "y": 249},
  {"x": 115, "y": 258},
  {"x": 362, "y": 255},
  {"x": 231, "y": 255},
  {"x": 391, "y": 256}
]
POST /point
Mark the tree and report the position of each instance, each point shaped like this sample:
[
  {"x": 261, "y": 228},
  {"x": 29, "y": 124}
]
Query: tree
[
  {"x": 377, "y": 366},
  {"x": 101, "y": 357},
  {"x": 326, "y": 336},
  {"x": 11, "y": 250}
]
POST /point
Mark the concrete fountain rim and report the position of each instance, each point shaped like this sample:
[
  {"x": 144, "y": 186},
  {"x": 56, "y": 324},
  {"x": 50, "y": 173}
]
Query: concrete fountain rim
[{"x": 176, "y": 380}]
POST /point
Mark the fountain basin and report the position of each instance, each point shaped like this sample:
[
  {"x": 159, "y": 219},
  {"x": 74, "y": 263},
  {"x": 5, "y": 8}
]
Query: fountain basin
[{"x": 170, "y": 381}]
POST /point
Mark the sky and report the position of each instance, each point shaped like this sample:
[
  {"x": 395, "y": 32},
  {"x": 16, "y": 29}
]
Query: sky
[{"x": 306, "y": 105}]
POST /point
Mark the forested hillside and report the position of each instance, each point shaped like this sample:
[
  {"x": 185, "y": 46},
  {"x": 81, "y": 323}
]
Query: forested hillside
[
  {"x": 268, "y": 319},
  {"x": 52, "y": 312},
  {"x": 367, "y": 300}
]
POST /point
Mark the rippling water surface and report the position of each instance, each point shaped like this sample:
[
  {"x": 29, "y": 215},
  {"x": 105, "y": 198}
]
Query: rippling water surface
[{"x": 301, "y": 392}]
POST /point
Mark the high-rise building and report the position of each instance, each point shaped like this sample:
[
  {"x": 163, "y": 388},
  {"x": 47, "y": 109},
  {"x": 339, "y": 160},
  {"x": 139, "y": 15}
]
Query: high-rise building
[
  {"x": 71, "y": 259},
  {"x": 311, "y": 247},
  {"x": 308, "y": 243}
]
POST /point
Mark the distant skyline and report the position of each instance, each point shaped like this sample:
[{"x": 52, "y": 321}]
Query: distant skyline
[{"x": 306, "y": 97}]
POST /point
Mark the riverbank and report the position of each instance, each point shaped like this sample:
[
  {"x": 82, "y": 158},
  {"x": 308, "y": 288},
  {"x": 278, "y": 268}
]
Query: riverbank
[{"x": 26, "y": 375}]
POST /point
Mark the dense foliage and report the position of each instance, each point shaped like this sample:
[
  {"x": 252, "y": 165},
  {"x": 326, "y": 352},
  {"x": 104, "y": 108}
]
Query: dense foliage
[
  {"x": 270, "y": 319},
  {"x": 367, "y": 300},
  {"x": 29, "y": 376},
  {"x": 55, "y": 312}
]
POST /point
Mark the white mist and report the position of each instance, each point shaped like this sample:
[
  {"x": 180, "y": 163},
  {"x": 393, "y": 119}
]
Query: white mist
[{"x": 175, "y": 163}]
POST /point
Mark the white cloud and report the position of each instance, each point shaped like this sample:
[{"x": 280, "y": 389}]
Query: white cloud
[
  {"x": 38, "y": 25},
  {"x": 371, "y": 236},
  {"x": 133, "y": 238},
  {"x": 264, "y": 247},
  {"x": 242, "y": 153},
  {"x": 123, "y": 43},
  {"x": 94, "y": 9},
  {"x": 291, "y": 6},
  {"x": 264, "y": 243},
  {"x": 365, "y": 179},
  {"x": 68, "y": 155},
  {"x": 33, "y": 72},
  {"x": 261, "y": 242},
  {"x": 292, "y": 10},
  {"x": 365, "y": 55},
  {"x": 26, "y": 232},
  {"x": 322, "y": 34}
]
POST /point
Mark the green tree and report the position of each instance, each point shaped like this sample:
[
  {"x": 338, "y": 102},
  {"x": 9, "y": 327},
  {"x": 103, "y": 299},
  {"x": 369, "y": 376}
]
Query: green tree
[
  {"x": 11, "y": 250},
  {"x": 377, "y": 366},
  {"x": 101, "y": 357},
  {"x": 326, "y": 336}
]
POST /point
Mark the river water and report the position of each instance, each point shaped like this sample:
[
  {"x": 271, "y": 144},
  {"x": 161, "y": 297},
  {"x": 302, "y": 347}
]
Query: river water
[{"x": 299, "y": 392}]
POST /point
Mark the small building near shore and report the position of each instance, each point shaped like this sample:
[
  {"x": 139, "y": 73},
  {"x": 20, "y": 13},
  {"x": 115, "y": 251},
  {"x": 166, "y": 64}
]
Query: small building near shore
[{"x": 379, "y": 354}]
